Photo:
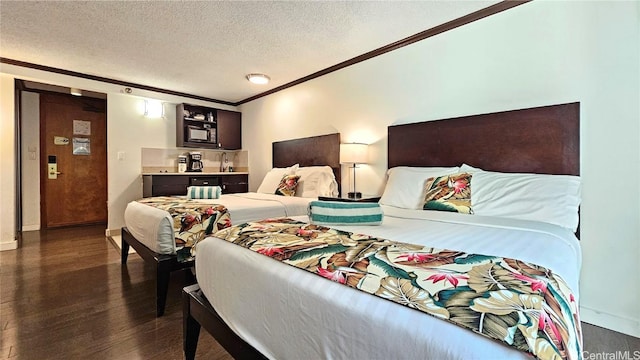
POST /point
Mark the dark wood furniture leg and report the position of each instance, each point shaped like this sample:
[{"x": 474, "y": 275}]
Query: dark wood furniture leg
[
  {"x": 163, "y": 275},
  {"x": 197, "y": 308},
  {"x": 165, "y": 265},
  {"x": 190, "y": 327},
  {"x": 124, "y": 250}
]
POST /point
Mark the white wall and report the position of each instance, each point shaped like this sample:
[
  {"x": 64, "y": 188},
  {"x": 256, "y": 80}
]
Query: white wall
[
  {"x": 128, "y": 131},
  {"x": 540, "y": 53},
  {"x": 7, "y": 164},
  {"x": 30, "y": 140}
]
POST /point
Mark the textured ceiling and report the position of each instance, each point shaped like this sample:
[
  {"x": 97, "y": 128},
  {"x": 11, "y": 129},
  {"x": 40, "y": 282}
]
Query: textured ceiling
[{"x": 206, "y": 48}]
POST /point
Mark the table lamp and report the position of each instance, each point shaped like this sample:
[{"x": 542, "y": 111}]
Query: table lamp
[{"x": 354, "y": 153}]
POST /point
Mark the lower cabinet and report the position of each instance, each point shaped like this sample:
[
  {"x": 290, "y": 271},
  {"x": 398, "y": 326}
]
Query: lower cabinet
[
  {"x": 168, "y": 185},
  {"x": 164, "y": 185},
  {"x": 235, "y": 184}
]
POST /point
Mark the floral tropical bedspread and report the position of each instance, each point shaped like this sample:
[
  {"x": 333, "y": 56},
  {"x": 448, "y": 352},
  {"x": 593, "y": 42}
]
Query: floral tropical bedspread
[
  {"x": 522, "y": 305},
  {"x": 192, "y": 221}
]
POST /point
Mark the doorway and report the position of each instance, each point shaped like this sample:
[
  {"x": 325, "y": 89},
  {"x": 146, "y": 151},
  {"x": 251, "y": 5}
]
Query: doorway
[{"x": 73, "y": 160}]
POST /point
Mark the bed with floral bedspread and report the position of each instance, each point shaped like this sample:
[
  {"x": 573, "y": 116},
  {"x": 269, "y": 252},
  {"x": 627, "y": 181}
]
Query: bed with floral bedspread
[
  {"x": 192, "y": 221},
  {"x": 523, "y": 305}
]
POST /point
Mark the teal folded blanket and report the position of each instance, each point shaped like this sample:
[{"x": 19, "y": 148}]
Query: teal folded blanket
[
  {"x": 344, "y": 213},
  {"x": 203, "y": 192}
]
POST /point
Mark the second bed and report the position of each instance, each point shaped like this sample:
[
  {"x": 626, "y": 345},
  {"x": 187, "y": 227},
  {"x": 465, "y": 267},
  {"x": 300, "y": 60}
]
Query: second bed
[{"x": 151, "y": 231}]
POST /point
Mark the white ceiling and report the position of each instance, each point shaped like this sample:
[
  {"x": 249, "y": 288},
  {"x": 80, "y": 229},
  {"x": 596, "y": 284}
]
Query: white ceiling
[{"x": 206, "y": 48}]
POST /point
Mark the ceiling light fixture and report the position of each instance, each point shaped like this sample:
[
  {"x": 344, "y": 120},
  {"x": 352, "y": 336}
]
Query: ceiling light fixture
[
  {"x": 258, "y": 78},
  {"x": 75, "y": 92}
]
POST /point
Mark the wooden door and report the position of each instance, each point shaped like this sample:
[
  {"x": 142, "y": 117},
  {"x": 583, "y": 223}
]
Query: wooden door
[{"x": 78, "y": 195}]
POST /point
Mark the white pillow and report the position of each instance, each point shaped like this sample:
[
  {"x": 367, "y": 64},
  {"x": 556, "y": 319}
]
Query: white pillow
[
  {"x": 548, "y": 198},
  {"x": 469, "y": 169},
  {"x": 316, "y": 181},
  {"x": 272, "y": 179},
  {"x": 405, "y": 185}
]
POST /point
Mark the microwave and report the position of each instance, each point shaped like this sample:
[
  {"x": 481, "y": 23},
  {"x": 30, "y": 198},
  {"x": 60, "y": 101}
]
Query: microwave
[{"x": 206, "y": 134}]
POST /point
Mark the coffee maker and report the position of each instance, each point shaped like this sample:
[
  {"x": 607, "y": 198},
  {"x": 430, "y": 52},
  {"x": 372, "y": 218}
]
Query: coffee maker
[{"x": 195, "y": 162}]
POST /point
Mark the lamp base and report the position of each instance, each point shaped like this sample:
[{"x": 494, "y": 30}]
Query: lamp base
[{"x": 354, "y": 195}]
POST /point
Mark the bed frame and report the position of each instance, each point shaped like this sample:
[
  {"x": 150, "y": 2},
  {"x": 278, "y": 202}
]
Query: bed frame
[
  {"x": 310, "y": 151},
  {"x": 164, "y": 264},
  {"x": 542, "y": 140}
]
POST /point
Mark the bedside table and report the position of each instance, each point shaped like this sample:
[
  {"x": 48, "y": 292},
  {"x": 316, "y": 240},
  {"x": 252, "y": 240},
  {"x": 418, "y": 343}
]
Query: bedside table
[{"x": 344, "y": 198}]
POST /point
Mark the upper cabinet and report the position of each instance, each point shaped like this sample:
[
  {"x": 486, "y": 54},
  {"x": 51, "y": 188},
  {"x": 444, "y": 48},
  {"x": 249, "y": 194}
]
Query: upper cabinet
[
  {"x": 205, "y": 127},
  {"x": 229, "y": 130}
]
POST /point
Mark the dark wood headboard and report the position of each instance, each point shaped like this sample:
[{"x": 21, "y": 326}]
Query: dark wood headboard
[
  {"x": 311, "y": 151},
  {"x": 543, "y": 140}
]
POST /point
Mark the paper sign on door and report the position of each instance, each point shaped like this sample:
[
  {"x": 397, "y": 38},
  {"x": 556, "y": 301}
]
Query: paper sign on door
[{"x": 81, "y": 127}]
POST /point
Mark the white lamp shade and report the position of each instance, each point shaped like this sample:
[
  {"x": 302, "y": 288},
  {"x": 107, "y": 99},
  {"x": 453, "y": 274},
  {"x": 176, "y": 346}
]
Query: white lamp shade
[{"x": 354, "y": 153}]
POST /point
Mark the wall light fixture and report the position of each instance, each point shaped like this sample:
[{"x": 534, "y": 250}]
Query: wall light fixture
[{"x": 153, "y": 109}]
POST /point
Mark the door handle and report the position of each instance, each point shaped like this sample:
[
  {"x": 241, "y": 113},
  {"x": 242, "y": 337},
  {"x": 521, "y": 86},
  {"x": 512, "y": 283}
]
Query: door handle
[{"x": 52, "y": 170}]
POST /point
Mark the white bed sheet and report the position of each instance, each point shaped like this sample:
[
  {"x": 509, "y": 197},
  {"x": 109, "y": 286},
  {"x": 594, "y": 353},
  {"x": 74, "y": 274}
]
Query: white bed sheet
[
  {"x": 154, "y": 227},
  {"x": 287, "y": 313}
]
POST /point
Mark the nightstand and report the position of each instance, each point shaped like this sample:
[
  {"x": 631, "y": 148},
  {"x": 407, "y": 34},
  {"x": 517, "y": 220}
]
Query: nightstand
[{"x": 344, "y": 198}]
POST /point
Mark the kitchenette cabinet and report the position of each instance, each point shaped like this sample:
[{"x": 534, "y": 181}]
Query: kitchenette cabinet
[
  {"x": 168, "y": 184},
  {"x": 229, "y": 129},
  {"x": 208, "y": 128}
]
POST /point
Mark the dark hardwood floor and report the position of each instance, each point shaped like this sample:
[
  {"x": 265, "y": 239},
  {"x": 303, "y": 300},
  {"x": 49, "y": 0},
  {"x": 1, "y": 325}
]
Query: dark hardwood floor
[{"x": 64, "y": 295}]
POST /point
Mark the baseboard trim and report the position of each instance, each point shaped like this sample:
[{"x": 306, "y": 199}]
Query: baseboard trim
[
  {"x": 112, "y": 232},
  {"x": 12, "y": 245},
  {"x": 116, "y": 241},
  {"x": 30, "y": 227},
  {"x": 610, "y": 321}
]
